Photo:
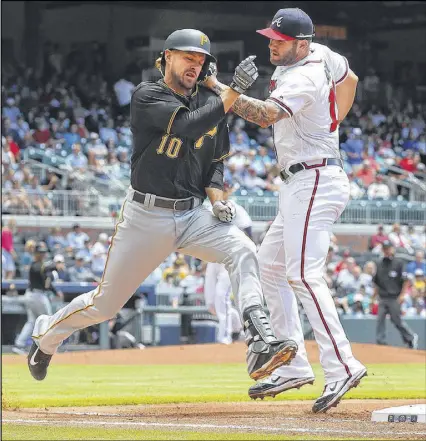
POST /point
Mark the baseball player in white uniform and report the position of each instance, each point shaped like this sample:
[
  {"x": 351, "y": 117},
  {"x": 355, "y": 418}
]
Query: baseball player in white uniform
[
  {"x": 217, "y": 284},
  {"x": 311, "y": 91}
]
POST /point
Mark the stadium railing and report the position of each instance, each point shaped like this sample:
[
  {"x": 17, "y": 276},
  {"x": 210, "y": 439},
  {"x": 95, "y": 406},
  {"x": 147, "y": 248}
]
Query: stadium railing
[
  {"x": 261, "y": 208},
  {"x": 63, "y": 202}
]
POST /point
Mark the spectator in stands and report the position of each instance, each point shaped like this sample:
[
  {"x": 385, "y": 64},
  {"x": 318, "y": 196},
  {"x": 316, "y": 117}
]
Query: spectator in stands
[
  {"x": 354, "y": 148},
  {"x": 77, "y": 160},
  {"x": 108, "y": 132},
  {"x": 251, "y": 181},
  {"x": 262, "y": 162},
  {"x": 238, "y": 135},
  {"x": 399, "y": 240},
  {"x": 356, "y": 192},
  {"x": 8, "y": 130},
  {"x": 123, "y": 91},
  {"x": 7, "y": 157},
  {"x": 42, "y": 133},
  {"x": 378, "y": 190},
  {"x": 237, "y": 160},
  {"x": 418, "y": 264},
  {"x": 79, "y": 272},
  {"x": 345, "y": 262},
  {"x": 51, "y": 181},
  {"x": 366, "y": 277},
  {"x": 414, "y": 238},
  {"x": 7, "y": 249},
  {"x": 38, "y": 198},
  {"x": 349, "y": 280},
  {"x": 378, "y": 239},
  {"x": 86, "y": 251},
  {"x": 27, "y": 258},
  {"x": 72, "y": 136},
  {"x": 77, "y": 237},
  {"x": 408, "y": 163},
  {"x": 56, "y": 238},
  {"x": 11, "y": 111},
  {"x": 60, "y": 273},
  {"x": 179, "y": 270},
  {"x": 96, "y": 151},
  {"x": 99, "y": 253},
  {"x": 23, "y": 173},
  {"x": 366, "y": 174},
  {"x": 13, "y": 148}
]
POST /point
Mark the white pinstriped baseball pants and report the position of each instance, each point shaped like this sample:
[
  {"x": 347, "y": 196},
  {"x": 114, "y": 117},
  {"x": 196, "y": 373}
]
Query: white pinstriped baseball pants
[{"x": 292, "y": 258}]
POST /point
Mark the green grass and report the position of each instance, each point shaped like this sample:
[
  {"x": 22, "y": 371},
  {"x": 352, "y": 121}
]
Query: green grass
[
  {"x": 74, "y": 385},
  {"x": 20, "y": 432}
]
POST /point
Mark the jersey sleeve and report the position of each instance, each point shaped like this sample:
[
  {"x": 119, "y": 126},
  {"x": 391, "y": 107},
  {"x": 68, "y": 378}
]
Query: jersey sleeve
[
  {"x": 338, "y": 64},
  {"x": 216, "y": 172},
  {"x": 155, "y": 108},
  {"x": 296, "y": 93}
]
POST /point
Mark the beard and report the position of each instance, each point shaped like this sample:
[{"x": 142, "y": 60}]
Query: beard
[
  {"x": 184, "y": 81},
  {"x": 289, "y": 58}
]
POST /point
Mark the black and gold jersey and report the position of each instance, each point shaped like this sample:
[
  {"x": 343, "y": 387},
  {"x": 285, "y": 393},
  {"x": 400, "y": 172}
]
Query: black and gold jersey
[{"x": 179, "y": 142}]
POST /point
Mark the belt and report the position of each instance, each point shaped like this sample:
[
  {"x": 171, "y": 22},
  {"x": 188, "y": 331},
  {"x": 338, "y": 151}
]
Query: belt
[
  {"x": 295, "y": 168},
  {"x": 151, "y": 200}
]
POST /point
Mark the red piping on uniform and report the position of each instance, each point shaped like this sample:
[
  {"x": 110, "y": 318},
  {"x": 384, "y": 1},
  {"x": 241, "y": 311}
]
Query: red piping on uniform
[
  {"x": 302, "y": 274},
  {"x": 308, "y": 167},
  {"x": 346, "y": 72},
  {"x": 282, "y": 105}
]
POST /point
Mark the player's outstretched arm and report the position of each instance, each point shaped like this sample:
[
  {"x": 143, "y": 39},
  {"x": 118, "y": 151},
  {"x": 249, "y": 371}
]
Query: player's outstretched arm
[{"x": 262, "y": 113}]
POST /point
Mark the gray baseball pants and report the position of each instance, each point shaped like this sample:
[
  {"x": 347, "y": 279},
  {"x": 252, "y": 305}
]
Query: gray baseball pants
[
  {"x": 37, "y": 303},
  {"x": 144, "y": 236}
]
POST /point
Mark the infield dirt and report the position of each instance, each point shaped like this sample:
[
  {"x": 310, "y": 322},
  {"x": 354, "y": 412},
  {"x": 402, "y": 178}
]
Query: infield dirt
[{"x": 351, "y": 419}]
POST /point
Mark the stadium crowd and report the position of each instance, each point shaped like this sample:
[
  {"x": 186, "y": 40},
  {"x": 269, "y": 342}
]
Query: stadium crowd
[
  {"x": 349, "y": 274},
  {"x": 77, "y": 118}
]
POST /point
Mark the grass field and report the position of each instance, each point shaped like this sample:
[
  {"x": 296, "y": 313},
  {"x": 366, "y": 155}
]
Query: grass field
[
  {"x": 91, "y": 385},
  {"x": 76, "y": 385}
]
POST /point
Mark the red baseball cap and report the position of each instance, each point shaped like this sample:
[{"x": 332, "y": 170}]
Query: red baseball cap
[{"x": 289, "y": 24}]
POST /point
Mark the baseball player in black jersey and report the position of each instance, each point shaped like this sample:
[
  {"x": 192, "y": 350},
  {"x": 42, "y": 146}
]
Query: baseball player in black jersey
[
  {"x": 37, "y": 301},
  {"x": 180, "y": 139}
]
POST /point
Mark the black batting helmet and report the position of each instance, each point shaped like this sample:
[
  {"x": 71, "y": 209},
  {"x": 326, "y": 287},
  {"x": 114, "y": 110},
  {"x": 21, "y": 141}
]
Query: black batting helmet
[{"x": 190, "y": 40}]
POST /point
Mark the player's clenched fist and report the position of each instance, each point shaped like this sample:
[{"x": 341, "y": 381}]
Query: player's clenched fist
[
  {"x": 245, "y": 75},
  {"x": 224, "y": 210}
]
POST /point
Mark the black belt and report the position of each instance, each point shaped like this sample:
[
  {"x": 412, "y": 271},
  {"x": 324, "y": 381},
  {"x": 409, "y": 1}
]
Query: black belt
[
  {"x": 304, "y": 166},
  {"x": 172, "y": 204}
]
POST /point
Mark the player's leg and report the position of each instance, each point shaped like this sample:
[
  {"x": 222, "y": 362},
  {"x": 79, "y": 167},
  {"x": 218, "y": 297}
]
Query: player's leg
[
  {"x": 283, "y": 308},
  {"x": 381, "y": 322},
  {"x": 395, "y": 315},
  {"x": 37, "y": 304},
  {"x": 222, "y": 306},
  {"x": 311, "y": 202},
  {"x": 143, "y": 238},
  {"x": 203, "y": 236},
  {"x": 280, "y": 298}
]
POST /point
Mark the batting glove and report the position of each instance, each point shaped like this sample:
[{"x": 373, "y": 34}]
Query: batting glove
[
  {"x": 224, "y": 210},
  {"x": 245, "y": 75}
]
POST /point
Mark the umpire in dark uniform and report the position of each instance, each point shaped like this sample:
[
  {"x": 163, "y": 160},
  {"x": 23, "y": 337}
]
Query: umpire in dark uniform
[{"x": 390, "y": 286}]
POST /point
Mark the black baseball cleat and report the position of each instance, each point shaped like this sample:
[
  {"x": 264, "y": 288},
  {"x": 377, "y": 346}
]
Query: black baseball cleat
[
  {"x": 334, "y": 392},
  {"x": 263, "y": 358},
  {"x": 264, "y": 353},
  {"x": 38, "y": 362},
  {"x": 274, "y": 385}
]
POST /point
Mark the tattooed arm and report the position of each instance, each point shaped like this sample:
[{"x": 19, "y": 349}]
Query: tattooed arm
[{"x": 262, "y": 113}]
